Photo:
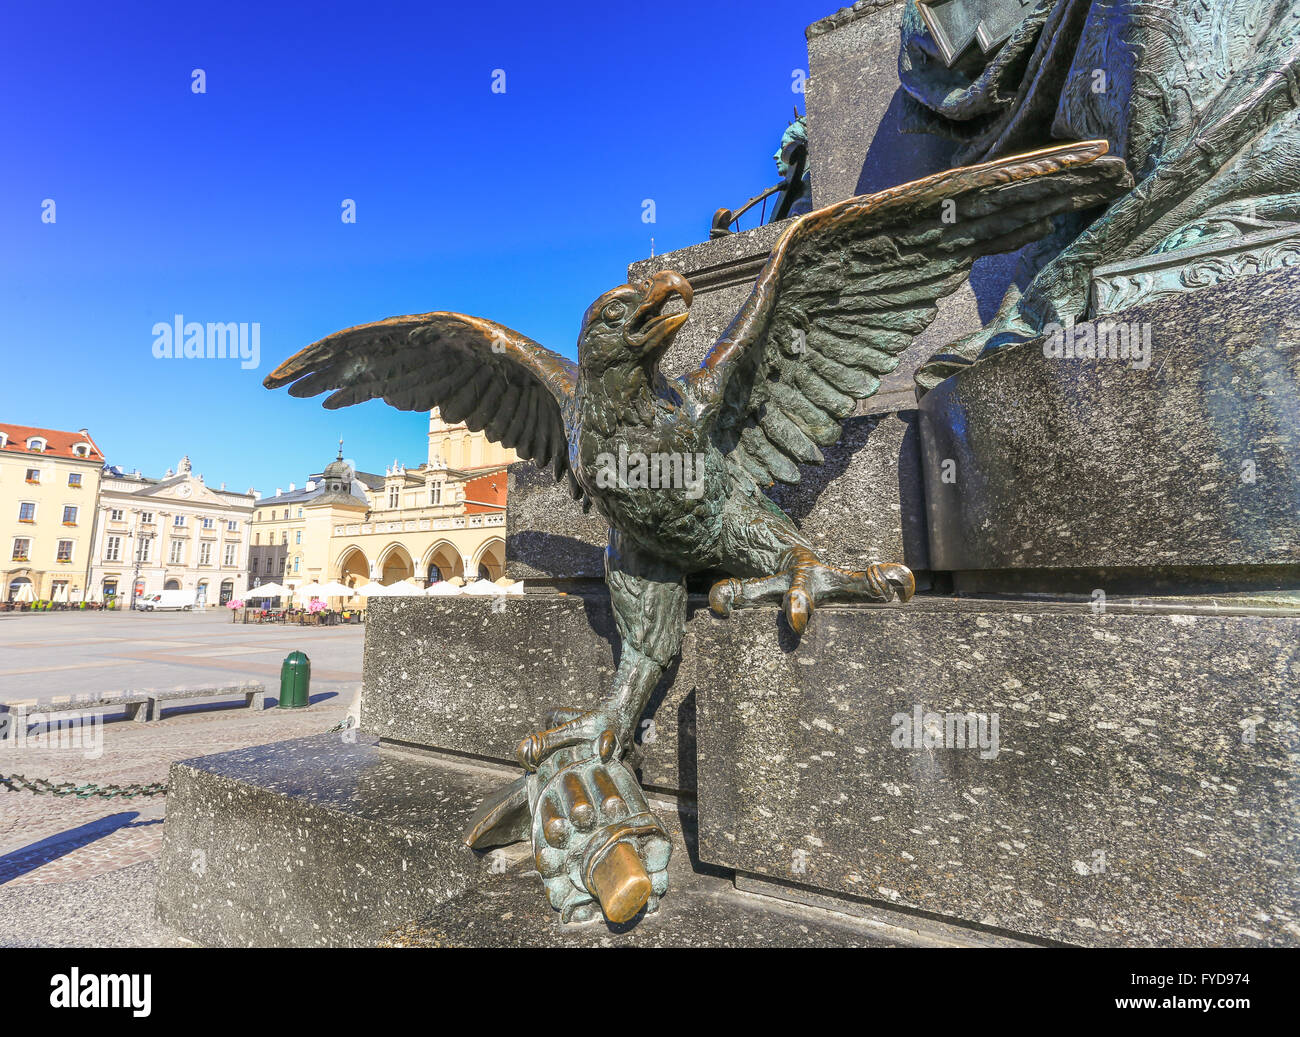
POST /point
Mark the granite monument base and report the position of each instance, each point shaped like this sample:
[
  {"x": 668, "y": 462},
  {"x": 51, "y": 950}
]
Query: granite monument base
[{"x": 943, "y": 771}]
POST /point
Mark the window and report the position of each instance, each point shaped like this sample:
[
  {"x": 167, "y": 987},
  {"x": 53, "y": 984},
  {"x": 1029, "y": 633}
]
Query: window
[
  {"x": 178, "y": 520},
  {"x": 115, "y": 515},
  {"x": 297, "y": 537},
  {"x": 113, "y": 549},
  {"x": 394, "y": 497},
  {"x": 205, "y": 553},
  {"x": 64, "y": 551},
  {"x": 36, "y": 445},
  {"x": 300, "y": 512},
  {"x": 74, "y": 480},
  {"x": 26, "y": 512},
  {"x": 232, "y": 526},
  {"x": 175, "y": 555},
  {"x": 146, "y": 517},
  {"x": 145, "y": 549},
  {"x": 209, "y": 523},
  {"x": 295, "y": 564},
  {"x": 257, "y": 538},
  {"x": 286, "y": 514},
  {"x": 22, "y": 548},
  {"x": 69, "y": 516},
  {"x": 435, "y": 493},
  {"x": 284, "y": 537},
  {"x": 81, "y": 450},
  {"x": 268, "y": 566},
  {"x": 33, "y": 475},
  {"x": 230, "y": 555},
  {"x": 284, "y": 565}
]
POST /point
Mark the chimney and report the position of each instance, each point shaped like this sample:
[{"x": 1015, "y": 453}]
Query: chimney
[
  {"x": 278, "y": 491},
  {"x": 291, "y": 487}
]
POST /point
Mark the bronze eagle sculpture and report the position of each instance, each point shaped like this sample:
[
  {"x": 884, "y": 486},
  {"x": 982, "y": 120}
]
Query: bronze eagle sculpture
[{"x": 845, "y": 290}]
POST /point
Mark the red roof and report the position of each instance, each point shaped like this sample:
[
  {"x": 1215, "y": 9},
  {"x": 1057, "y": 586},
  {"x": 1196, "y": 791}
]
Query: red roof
[
  {"x": 58, "y": 443},
  {"x": 487, "y": 493}
]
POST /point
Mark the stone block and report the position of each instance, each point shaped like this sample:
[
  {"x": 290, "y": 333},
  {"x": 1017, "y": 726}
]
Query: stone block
[
  {"x": 1141, "y": 790},
  {"x": 473, "y": 675},
  {"x": 1180, "y": 467},
  {"x": 319, "y": 841},
  {"x": 548, "y": 535}
]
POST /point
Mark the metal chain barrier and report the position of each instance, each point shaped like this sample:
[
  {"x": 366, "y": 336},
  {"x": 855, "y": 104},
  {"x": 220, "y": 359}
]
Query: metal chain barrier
[{"x": 43, "y": 786}]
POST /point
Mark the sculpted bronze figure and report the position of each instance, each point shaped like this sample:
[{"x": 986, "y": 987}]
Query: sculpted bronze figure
[{"x": 678, "y": 465}]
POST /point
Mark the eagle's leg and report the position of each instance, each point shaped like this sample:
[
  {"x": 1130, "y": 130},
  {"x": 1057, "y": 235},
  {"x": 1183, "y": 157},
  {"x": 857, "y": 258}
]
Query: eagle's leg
[
  {"x": 759, "y": 538},
  {"x": 649, "y": 602},
  {"x": 596, "y": 843}
]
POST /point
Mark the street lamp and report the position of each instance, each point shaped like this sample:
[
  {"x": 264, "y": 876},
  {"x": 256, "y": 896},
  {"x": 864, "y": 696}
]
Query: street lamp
[{"x": 141, "y": 538}]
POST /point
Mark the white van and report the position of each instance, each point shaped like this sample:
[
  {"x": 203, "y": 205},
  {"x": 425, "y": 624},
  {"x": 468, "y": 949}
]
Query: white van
[{"x": 178, "y": 600}]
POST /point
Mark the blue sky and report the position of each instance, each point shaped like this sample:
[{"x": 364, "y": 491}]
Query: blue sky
[{"x": 521, "y": 206}]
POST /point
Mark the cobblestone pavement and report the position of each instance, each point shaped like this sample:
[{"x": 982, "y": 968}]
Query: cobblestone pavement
[
  {"x": 47, "y": 655},
  {"x": 79, "y": 872}
]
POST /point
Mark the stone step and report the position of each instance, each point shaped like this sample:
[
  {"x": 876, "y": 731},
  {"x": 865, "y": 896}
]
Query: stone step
[
  {"x": 703, "y": 908},
  {"x": 321, "y": 841}
]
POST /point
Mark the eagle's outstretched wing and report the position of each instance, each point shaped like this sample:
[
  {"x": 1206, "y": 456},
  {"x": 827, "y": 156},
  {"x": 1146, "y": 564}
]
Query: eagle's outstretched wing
[
  {"x": 848, "y": 287},
  {"x": 493, "y": 379}
]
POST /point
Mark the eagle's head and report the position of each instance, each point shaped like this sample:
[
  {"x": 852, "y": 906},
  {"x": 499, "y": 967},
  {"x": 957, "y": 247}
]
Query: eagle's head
[{"x": 626, "y": 327}]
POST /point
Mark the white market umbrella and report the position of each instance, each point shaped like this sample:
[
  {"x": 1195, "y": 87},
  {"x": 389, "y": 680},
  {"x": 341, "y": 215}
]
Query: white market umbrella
[
  {"x": 61, "y": 594},
  {"x": 25, "y": 594},
  {"x": 334, "y": 589},
  {"x": 484, "y": 587},
  {"x": 442, "y": 589},
  {"x": 308, "y": 591},
  {"x": 372, "y": 590},
  {"x": 403, "y": 590},
  {"x": 267, "y": 590}
]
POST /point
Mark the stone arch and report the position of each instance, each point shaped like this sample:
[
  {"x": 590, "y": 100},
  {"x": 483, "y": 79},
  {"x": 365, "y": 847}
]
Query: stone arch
[
  {"x": 172, "y": 585},
  {"x": 443, "y": 558},
  {"x": 395, "y": 565},
  {"x": 353, "y": 567},
  {"x": 490, "y": 560}
]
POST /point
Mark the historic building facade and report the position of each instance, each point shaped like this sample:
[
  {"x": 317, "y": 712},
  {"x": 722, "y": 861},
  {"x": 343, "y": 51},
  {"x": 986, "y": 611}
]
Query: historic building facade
[
  {"x": 442, "y": 519},
  {"x": 173, "y": 533},
  {"x": 49, "y": 481}
]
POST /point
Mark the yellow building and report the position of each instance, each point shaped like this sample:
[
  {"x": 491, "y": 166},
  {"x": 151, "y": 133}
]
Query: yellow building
[
  {"x": 49, "y": 483},
  {"x": 442, "y": 519}
]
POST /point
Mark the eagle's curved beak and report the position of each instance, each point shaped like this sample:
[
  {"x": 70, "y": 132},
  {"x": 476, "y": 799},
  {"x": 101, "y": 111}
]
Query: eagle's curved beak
[{"x": 649, "y": 328}]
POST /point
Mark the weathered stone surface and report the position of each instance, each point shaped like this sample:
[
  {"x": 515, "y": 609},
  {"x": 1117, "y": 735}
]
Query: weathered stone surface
[
  {"x": 721, "y": 272},
  {"x": 856, "y": 146},
  {"x": 474, "y": 675},
  {"x": 866, "y": 503},
  {"x": 702, "y": 909},
  {"x": 320, "y": 841},
  {"x": 1184, "y": 462},
  {"x": 548, "y": 535},
  {"x": 1143, "y": 791}
]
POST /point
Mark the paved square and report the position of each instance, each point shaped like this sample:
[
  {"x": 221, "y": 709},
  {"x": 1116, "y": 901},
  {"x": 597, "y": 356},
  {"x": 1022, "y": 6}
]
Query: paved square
[{"x": 52, "y": 654}]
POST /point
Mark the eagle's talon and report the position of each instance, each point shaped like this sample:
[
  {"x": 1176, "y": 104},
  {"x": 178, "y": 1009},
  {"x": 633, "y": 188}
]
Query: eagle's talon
[
  {"x": 798, "y": 607},
  {"x": 721, "y": 596}
]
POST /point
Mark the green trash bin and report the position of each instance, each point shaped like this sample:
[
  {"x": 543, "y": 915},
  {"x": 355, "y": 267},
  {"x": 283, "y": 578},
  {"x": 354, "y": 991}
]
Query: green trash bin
[{"x": 295, "y": 681}]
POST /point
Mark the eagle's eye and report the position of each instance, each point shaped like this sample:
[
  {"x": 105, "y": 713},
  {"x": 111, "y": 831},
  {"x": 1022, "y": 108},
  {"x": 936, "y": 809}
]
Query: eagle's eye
[{"x": 613, "y": 313}]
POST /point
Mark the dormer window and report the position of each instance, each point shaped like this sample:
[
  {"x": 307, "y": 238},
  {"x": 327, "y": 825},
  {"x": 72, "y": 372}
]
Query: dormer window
[
  {"x": 81, "y": 450},
  {"x": 4, "y": 439},
  {"x": 36, "y": 445}
]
